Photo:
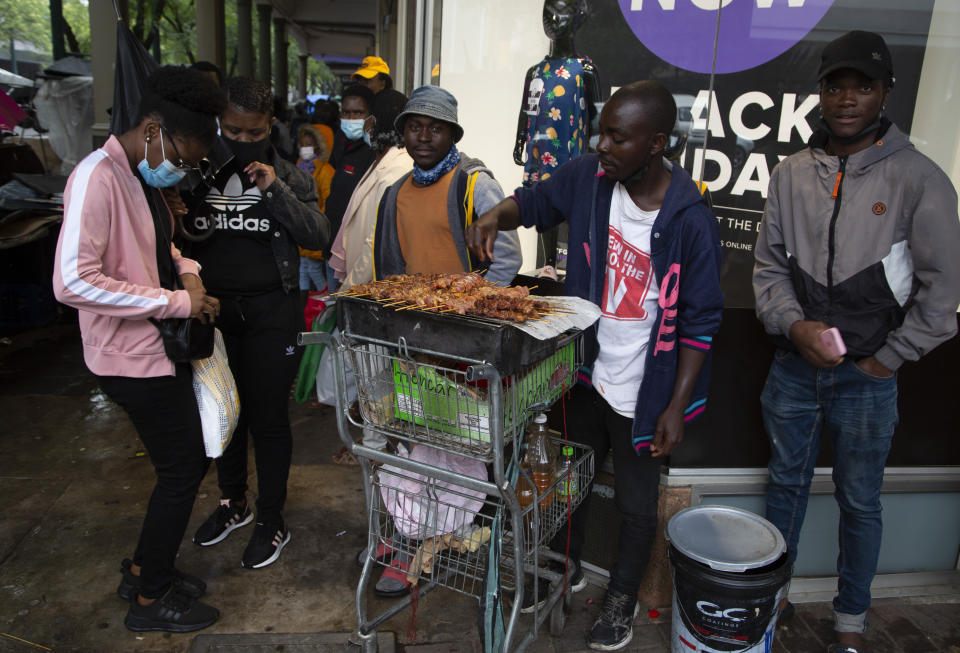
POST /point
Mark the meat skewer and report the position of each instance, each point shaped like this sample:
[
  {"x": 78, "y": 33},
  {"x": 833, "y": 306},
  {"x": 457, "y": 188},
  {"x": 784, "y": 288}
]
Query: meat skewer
[{"x": 464, "y": 294}]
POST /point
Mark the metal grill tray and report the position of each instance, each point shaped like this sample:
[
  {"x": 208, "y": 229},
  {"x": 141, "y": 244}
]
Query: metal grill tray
[{"x": 492, "y": 341}]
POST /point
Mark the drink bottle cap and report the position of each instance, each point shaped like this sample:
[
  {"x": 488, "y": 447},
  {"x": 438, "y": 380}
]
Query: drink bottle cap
[
  {"x": 567, "y": 450},
  {"x": 540, "y": 418}
]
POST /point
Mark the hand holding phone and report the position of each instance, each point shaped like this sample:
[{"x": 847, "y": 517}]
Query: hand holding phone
[{"x": 832, "y": 342}]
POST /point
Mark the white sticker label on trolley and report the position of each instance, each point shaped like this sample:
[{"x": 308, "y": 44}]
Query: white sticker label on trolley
[
  {"x": 409, "y": 406},
  {"x": 473, "y": 423}
]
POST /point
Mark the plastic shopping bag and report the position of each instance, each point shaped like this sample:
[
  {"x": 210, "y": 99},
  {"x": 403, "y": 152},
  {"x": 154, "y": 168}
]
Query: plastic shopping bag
[
  {"x": 327, "y": 381},
  {"x": 217, "y": 398},
  {"x": 307, "y": 374},
  {"x": 314, "y": 307},
  {"x": 421, "y": 512}
]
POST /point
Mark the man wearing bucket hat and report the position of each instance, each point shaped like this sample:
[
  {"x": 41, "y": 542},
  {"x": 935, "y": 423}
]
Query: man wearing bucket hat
[
  {"x": 422, "y": 217},
  {"x": 858, "y": 240}
]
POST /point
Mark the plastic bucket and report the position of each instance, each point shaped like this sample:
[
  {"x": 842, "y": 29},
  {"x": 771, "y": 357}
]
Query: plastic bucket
[{"x": 730, "y": 570}]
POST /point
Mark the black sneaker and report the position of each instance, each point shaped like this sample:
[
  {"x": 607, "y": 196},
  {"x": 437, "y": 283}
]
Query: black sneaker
[
  {"x": 173, "y": 612},
  {"x": 266, "y": 544},
  {"x": 130, "y": 584},
  {"x": 228, "y": 517},
  {"x": 613, "y": 628}
]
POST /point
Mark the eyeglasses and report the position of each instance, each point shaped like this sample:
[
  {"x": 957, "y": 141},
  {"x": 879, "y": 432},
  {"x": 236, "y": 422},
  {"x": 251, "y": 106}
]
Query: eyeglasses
[{"x": 203, "y": 168}]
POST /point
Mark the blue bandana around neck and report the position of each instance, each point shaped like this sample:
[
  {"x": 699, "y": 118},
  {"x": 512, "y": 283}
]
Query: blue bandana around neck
[{"x": 427, "y": 177}]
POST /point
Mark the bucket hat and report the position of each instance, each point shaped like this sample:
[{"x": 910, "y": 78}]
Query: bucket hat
[{"x": 433, "y": 102}]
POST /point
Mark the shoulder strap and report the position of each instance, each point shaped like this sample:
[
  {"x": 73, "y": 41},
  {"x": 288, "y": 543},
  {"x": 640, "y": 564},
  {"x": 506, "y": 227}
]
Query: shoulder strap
[
  {"x": 158, "y": 210},
  {"x": 468, "y": 208},
  {"x": 468, "y": 180}
]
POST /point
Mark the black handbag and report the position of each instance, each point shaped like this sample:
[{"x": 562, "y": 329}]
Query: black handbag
[{"x": 184, "y": 338}]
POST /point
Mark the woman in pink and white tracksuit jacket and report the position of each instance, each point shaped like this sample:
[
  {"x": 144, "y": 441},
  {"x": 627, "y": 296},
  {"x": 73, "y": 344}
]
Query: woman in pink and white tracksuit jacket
[{"x": 116, "y": 265}]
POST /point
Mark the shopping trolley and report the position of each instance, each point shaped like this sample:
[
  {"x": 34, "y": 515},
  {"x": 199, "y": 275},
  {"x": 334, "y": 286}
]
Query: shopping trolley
[{"x": 469, "y": 387}]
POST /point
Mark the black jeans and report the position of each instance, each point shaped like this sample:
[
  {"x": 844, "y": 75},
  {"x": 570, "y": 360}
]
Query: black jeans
[
  {"x": 260, "y": 334},
  {"x": 164, "y": 411},
  {"x": 591, "y": 421}
]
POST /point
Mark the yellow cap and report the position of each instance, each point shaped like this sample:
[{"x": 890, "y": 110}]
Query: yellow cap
[{"x": 372, "y": 66}]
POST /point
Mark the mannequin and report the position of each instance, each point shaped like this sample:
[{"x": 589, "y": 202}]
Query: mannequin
[{"x": 560, "y": 98}]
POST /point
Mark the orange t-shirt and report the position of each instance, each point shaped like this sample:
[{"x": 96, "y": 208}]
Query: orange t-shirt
[{"x": 424, "y": 228}]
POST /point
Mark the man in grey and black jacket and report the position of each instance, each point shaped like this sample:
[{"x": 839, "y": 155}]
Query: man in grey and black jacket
[{"x": 860, "y": 233}]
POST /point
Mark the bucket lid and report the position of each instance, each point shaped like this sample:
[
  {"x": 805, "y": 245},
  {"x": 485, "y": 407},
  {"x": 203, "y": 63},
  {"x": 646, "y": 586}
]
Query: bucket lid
[{"x": 725, "y": 538}]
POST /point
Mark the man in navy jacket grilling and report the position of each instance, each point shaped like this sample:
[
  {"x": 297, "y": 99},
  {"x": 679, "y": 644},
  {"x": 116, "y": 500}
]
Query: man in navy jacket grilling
[{"x": 643, "y": 246}]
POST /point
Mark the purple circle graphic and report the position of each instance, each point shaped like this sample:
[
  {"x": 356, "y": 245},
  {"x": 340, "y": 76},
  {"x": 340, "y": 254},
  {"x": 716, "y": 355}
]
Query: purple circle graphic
[{"x": 752, "y": 32}]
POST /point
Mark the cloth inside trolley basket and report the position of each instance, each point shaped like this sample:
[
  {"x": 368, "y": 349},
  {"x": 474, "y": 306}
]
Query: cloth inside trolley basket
[{"x": 423, "y": 507}]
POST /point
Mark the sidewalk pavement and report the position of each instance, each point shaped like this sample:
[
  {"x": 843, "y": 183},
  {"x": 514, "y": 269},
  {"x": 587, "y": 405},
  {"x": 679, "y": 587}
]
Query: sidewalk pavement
[{"x": 75, "y": 481}]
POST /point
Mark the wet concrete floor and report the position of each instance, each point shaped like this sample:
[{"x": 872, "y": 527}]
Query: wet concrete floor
[{"x": 74, "y": 482}]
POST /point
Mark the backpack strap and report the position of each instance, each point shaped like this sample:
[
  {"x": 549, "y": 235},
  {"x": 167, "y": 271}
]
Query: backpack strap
[
  {"x": 468, "y": 208},
  {"x": 467, "y": 184}
]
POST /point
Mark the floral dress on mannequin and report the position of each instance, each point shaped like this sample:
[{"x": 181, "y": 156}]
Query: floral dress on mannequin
[{"x": 556, "y": 108}]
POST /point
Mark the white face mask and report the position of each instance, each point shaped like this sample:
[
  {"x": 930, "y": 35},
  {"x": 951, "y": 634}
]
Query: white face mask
[{"x": 306, "y": 153}]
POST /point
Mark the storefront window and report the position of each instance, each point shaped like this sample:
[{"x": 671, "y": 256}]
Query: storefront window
[
  {"x": 762, "y": 57},
  {"x": 422, "y": 39}
]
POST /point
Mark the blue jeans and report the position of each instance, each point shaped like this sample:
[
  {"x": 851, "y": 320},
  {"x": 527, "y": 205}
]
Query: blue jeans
[
  {"x": 860, "y": 411},
  {"x": 314, "y": 274}
]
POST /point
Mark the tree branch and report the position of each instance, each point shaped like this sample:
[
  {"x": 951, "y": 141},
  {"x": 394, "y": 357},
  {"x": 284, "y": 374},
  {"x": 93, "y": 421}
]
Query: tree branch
[
  {"x": 71, "y": 37},
  {"x": 139, "y": 26}
]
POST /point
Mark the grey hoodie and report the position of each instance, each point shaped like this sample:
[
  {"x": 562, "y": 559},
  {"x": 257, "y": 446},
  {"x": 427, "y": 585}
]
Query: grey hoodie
[{"x": 874, "y": 251}]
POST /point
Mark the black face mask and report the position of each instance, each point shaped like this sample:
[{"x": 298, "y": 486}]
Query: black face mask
[
  {"x": 246, "y": 153},
  {"x": 637, "y": 176},
  {"x": 875, "y": 125},
  {"x": 642, "y": 172}
]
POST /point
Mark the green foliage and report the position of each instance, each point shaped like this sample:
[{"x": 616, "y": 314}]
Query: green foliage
[
  {"x": 177, "y": 27},
  {"x": 27, "y": 21},
  {"x": 172, "y": 22},
  {"x": 77, "y": 16}
]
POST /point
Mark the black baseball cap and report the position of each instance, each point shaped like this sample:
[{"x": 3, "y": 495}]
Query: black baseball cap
[{"x": 863, "y": 51}]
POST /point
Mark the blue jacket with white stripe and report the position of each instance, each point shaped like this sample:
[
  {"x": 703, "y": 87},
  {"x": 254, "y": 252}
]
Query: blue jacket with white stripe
[{"x": 685, "y": 250}]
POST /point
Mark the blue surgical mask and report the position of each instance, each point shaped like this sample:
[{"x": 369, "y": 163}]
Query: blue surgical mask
[
  {"x": 164, "y": 175},
  {"x": 366, "y": 138},
  {"x": 352, "y": 129}
]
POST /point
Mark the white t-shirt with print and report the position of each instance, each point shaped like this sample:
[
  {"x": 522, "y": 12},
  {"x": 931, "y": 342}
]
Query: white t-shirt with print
[{"x": 629, "y": 304}]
